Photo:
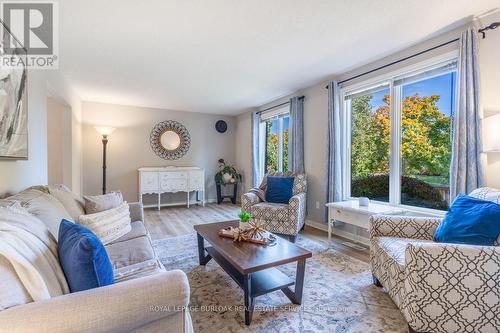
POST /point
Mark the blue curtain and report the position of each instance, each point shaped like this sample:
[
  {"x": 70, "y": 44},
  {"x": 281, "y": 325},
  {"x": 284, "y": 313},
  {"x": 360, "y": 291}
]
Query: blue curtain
[
  {"x": 256, "y": 172},
  {"x": 466, "y": 172},
  {"x": 333, "y": 179},
  {"x": 296, "y": 135}
]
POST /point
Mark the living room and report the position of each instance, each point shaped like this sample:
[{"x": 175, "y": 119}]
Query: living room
[{"x": 185, "y": 166}]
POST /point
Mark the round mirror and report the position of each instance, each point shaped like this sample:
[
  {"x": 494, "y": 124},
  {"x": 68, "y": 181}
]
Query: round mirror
[{"x": 170, "y": 140}]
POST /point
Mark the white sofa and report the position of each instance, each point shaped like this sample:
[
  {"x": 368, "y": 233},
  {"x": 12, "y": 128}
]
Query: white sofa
[
  {"x": 144, "y": 298},
  {"x": 438, "y": 287}
]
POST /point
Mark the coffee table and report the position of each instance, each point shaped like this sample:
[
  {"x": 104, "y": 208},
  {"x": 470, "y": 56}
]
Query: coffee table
[{"x": 253, "y": 266}]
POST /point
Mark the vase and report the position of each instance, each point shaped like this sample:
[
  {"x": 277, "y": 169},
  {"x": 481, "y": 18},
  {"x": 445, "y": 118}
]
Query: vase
[
  {"x": 243, "y": 225},
  {"x": 226, "y": 178}
]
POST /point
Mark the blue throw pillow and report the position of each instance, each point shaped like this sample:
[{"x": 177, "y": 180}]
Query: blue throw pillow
[
  {"x": 83, "y": 258},
  {"x": 470, "y": 221},
  {"x": 279, "y": 189}
]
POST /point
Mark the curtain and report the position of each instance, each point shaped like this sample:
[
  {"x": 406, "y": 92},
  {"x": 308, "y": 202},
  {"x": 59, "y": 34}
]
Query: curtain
[
  {"x": 333, "y": 179},
  {"x": 466, "y": 173},
  {"x": 256, "y": 172},
  {"x": 296, "y": 135}
]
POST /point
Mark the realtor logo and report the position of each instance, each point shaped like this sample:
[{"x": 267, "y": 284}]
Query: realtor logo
[{"x": 30, "y": 27}]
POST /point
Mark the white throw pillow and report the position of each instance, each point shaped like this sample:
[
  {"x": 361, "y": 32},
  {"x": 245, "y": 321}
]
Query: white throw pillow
[
  {"x": 110, "y": 224},
  {"x": 100, "y": 203}
]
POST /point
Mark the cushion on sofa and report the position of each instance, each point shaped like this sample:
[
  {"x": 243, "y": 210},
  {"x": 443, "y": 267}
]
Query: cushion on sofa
[
  {"x": 130, "y": 252},
  {"x": 110, "y": 224},
  {"x": 83, "y": 258},
  {"x": 137, "y": 230},
  {"x": 279, "y": 189},
  {"x": 71, "y": 202},
  {"x": 270, "y": 211},
  {"x": 486, "y": 193},
  {"x": 471, "y": 221},
  {"x": 100, "y": 203},
  {"x": 44, "y": 206}
]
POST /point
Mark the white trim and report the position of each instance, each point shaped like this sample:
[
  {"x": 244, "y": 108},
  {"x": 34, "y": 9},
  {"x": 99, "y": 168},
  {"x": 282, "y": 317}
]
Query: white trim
[
  {"x": 344, "y": 234},
  {"x": 395, "y": 145}
]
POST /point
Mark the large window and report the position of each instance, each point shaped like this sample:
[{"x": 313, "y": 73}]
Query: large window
[
  {"x": 274, "y": 134},
  {"x": 399, "y": 137}
]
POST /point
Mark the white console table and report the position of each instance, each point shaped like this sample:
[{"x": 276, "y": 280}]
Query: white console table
[
  {"x": 158, "y": 180},
  {"x": 351, "y": 212}
]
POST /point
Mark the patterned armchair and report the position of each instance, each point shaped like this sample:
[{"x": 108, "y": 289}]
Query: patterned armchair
[
  {"x": 286, "y": 219},
  {"x": 438, "y": 287}
]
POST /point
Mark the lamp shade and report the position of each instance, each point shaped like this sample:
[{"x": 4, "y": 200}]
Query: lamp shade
[
  {"x": 491, "y": 133},
  {"x": 104, "y": 130}
]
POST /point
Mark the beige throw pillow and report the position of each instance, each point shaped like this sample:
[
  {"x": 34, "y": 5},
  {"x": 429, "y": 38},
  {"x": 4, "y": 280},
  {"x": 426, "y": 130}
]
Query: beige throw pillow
[
  {"x": 108, "y": 225},
  {"x": 71, "y": 202},
  {"x": 99, "y": 203}
]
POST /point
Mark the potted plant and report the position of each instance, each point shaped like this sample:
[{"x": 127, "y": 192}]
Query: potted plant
[
  {"x": 227, "y": 173},
  {"x": 245, "y": 217}
]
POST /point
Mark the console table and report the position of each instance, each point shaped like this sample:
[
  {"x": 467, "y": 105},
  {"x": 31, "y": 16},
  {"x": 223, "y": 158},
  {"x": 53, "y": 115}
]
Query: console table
[{"x": 158, "y": 180}]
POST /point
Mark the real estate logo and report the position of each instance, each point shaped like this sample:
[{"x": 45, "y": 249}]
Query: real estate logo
[{"x": 29, "y": 34}]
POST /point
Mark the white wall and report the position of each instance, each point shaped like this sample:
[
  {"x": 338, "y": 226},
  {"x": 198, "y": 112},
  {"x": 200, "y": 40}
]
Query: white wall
[
  {"x": 489, "y": 56},
  {"x": 129, "y": 148},
  {"x": 315, "y": 115},
  {"x": 18, "y": 175}
]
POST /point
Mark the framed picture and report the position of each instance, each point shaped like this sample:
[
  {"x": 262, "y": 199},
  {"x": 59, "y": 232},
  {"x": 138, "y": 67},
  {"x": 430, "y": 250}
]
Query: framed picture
[{"x": 13, "y": 98}]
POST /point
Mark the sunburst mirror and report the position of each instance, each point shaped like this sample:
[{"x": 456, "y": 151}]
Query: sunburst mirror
[{"x": 170, "y": 140}]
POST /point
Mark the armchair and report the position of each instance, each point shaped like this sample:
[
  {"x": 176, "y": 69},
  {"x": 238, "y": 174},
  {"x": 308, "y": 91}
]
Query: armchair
[
  {"x": 438, "y": 287},
  {"x": 285, "y": 219}
]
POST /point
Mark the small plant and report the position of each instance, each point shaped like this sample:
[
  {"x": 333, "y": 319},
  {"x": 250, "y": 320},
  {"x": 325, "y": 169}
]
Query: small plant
[
  {"x": 245, "y": 216},
  {"x": 227, "y": 173}
]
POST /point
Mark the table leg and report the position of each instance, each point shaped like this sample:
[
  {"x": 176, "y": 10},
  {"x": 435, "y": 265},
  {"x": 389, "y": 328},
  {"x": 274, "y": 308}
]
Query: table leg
[
  {"x": 296, "y": 295},
  {"x": 204, "y": 259},
  {"x": 249, "y": 301},
  {"x": 329, "y": 230}
]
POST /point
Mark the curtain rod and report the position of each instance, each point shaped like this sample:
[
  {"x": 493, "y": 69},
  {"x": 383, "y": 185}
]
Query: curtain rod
[
  {"x": 492, "y": 26},
  {"x": 277, "y": 106}
]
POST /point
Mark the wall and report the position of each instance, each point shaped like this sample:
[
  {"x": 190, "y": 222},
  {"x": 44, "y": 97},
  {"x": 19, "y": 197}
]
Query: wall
[
  {"x": 18, "y": 175},
  {"x": 490, "y": 96},
  {"x": 129, "y": 148},
  {"x": 315, "y": 117}
]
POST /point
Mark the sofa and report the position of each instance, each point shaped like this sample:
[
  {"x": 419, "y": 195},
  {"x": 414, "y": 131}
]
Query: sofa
[
  {"x": 283, "y": 219},
  {"x": 439, "y": 287},
  {"x": 144, "y": 298}
]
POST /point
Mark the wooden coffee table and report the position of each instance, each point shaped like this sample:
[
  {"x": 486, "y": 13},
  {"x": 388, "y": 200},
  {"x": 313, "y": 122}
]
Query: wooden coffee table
[{"x": 252, "y": 266}]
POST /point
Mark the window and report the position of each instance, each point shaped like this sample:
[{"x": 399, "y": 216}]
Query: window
[
  {"x": 274, "y": 134},
  {"x": 399, "y": 137}
]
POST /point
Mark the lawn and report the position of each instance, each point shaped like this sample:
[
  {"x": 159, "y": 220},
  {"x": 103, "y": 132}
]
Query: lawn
[{"x": 440, "y": 180}]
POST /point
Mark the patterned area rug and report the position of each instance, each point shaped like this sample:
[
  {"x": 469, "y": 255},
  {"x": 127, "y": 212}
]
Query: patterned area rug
[{"x": 338, "y": 294}]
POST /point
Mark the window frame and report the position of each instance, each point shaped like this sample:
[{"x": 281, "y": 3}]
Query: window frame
[
  {"x": 395, "y": 91},
  {"x": 280, "y": 114}
]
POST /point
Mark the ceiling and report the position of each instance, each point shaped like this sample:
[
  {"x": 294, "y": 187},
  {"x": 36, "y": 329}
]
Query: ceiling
[{"x": 224, "y": 56}]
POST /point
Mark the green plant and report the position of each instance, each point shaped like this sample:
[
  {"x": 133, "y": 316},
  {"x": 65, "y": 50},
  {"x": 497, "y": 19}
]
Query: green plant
[
  {"x": 245, "y": 216},
  {"x": 226, "y": 168}
]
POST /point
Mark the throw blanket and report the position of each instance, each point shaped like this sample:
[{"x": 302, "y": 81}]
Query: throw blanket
[{"x": 27, "y": 244}]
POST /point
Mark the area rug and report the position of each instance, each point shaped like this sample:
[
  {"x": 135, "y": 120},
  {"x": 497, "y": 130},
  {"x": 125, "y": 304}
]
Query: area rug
[{"x": 338, "y": 294}]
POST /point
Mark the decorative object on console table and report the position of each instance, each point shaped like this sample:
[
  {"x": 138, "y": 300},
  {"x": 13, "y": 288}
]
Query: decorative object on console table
[
  {"x": 227, "y": 176},
  {"x": 170, "y": 140},
  {"x": 13, "y": 101},
  {"x": 158, "y": 180},
  {"x": 105, "y": 131}
]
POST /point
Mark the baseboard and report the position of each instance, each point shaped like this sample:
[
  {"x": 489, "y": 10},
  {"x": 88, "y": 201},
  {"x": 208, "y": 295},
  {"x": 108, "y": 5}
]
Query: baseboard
[
  {"x": 341, "y": 233},
  {"x": 179, "y": 203}
]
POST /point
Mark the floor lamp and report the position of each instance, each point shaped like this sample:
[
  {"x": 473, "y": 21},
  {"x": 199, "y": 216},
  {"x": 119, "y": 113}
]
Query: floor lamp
[{"x": 105, "y": 132}]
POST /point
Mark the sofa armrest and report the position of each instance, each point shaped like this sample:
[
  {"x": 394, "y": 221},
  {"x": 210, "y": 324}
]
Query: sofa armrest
[
  {"x": 297, "y": 209},
  {"x": 403, "y": 226},
  {"x": 136, "y": 211},
  {"x": 248, "y": 200},
  {"x": 451, "y": 284},
  {"x": 120, "y": 307}
]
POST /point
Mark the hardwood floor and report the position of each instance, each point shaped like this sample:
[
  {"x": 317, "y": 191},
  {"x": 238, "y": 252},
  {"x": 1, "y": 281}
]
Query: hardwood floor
[{"x": 179, "y": 220}]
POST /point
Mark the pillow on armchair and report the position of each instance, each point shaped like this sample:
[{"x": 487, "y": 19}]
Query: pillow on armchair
[{"x": 279, "y": 189}]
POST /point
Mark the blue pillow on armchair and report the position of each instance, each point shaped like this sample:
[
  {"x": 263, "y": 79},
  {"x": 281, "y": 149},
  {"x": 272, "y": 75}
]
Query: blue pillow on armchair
[
  {"x": 470, "y": 221},
  {"x": 279, "y": 189},
  {"x": 83, "y": 258}
]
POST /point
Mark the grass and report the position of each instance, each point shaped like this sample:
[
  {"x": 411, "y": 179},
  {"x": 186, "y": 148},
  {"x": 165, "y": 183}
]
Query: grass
[{"x": 439, "y": 180}]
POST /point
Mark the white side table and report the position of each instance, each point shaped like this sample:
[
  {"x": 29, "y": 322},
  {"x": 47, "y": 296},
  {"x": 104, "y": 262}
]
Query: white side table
[{"x": 351, "y": 213}]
